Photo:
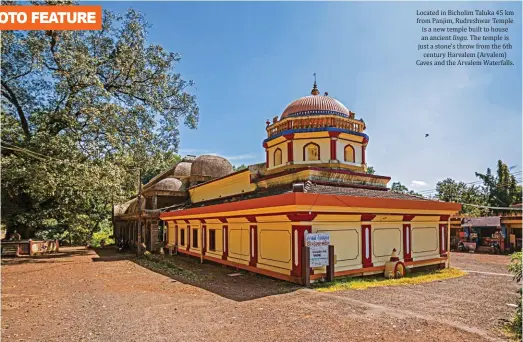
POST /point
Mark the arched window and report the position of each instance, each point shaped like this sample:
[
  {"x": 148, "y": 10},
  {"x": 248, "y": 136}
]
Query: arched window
[
  {"x": 311, "y": 152},
  {"x": 349, "y": 154},
  {"x": 277, "y": 157}
]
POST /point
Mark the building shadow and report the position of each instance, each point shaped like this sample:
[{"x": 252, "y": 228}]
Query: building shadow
[
  {"x": 212, "y": 277},
  {"x": 110, "y": 253},
  {"x": 55, "y": 257}
]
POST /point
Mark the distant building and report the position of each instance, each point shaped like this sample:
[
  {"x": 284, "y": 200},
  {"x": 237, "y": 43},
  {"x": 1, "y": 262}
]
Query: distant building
[
  {"x": 480, "y": 232},
  {"x": 313, "y": 180}
]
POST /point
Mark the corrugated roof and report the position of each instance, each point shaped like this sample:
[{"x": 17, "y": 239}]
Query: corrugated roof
[{"x": 358, "y": 192}]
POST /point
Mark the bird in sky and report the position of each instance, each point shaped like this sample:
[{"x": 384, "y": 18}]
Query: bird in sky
[{"x": 426, "y": 135}]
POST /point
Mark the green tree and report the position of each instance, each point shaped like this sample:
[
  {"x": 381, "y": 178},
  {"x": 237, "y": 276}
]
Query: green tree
[
  {"x": 398, "y": 187},
  {"x": 81, "y": 111},
  {"x": 239, "y": 167},
  {"x": 449, "y": 190},
  {"x": 515, "y": 268},
  {"x": 502, "y": 189},
  {"x": 370, "y": 170},
  {"x": 163, "y": 161}
]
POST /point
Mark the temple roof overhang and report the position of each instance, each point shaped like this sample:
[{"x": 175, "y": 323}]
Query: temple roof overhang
[{"x": 323, "y": 199}]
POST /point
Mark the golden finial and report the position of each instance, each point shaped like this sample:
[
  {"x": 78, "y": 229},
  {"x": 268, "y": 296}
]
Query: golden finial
[{"x": 315, "y": 90}]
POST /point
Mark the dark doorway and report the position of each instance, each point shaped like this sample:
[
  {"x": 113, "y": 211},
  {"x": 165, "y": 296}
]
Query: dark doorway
[
  {"x": 195, "y": 238},
  {"x": 212, "y": 240}
]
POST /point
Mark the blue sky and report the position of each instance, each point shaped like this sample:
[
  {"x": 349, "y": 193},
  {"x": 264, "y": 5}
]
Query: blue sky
[{"x": 249, "y": 60}]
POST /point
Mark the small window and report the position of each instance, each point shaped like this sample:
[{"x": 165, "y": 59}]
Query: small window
[
  {"x": 349, "y": 154},
  {"x": 182, "y": 237},
  {"x": 195, "y": 238},
  {"x": 212, "y": 240},
  {"x": 311, "y": 152},
  {"x": 277, "y": 157}
]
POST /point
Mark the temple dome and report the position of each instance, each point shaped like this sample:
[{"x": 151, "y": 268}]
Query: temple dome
[
  {"x": 315, "y": 104},
  {"x": 168, "y": 184},
  {"x": 182, "y": 169},
  {"x": 211, "y": 166}
]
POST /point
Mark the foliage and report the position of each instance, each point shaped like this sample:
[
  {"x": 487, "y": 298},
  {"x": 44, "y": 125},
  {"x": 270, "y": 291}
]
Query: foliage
[
  {"x": 362, "y": 283},
  {"x": 105, "y": 233},
  {"x": 81, "y": 111},
  {"x": 449, "y": 190},
  {"x": 239, "y": 168},
  {"x": 400, "y": 188},
  {"x": 515, "y": 269},
  {"x": 370, "y": 170},
  {"x": 515, "y": 266},
  {"x": 502, "y": 190},
  {"x": 163, "y": 161}
]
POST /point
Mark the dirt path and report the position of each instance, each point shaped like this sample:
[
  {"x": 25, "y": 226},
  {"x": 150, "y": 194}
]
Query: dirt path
[{"x": 83, "y": 296}]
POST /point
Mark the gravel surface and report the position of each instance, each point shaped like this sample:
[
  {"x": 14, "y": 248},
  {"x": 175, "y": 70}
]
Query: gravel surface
[
  {"x": 480, "y": 262},
  {"x": 83, "y": 295}
]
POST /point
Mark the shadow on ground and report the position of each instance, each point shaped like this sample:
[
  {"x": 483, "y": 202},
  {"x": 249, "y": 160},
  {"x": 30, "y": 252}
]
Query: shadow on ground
[
  {"x": 208, "y": 276},
  {"x": 44, "y": 258}
]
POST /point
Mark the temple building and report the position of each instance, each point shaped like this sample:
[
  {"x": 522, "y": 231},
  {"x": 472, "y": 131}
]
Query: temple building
[
  {"x": 138, "y": 220},
  {"x": 314, "y": 180}
]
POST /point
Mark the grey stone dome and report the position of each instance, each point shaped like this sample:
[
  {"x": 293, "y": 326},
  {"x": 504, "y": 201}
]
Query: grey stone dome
[
  {"x": 183, "y": 169},
  {"x": 211, "y": 166},
  {"x": 168, "y": 184}
]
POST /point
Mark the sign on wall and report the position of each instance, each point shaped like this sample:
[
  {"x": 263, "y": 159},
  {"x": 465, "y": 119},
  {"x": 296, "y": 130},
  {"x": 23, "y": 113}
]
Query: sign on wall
[{"x": 319, "y": 249}]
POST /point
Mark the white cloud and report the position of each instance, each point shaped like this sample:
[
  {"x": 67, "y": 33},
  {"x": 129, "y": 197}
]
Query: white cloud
[
  {"x": 240, "y": 157},
  {"x": 417, "y": 184}
]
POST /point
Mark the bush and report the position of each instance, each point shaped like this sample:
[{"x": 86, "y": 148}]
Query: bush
[
  {"x": 104, "y": 234},
  {"x": 515, "y": 268}
]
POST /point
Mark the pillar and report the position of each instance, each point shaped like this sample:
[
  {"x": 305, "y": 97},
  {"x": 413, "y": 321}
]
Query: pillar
[
  {"x": 442, "y": 240},
  {"x": 203, "y": 241},
  {"x": 188, "y": 237},
  {"x": 266, "y": 155},
  {"x": 225, "y": 232},
  {"x": 155, "y": 201},
  {"x": 290, "y": 147},
  {"x": 290, "y": 151},
  {"x": 298, "y": 241},
  {"x": 154, "y": 234},
  {"x": 334, "y": 138},
  {"x": 363, "y": 150},
  {"x": 366, "y": 245},
  {"x": 253, "y": 234},
  {"x": 333, "y": 148},
  {"x": 407, "y": 243}
]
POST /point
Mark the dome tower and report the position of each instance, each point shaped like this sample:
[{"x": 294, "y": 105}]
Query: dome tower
[{"x": 316, "y": 130}]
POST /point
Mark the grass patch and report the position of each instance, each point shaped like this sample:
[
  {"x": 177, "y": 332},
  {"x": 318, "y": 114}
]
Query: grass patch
[
  {"x": 165, "y": 265},
  {"x": 362, "y": 283}
]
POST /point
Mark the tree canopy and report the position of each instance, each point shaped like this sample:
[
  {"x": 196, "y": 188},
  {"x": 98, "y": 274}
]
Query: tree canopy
[
  {"x": 500, "y": 190},
  {"x": 81, "y": 112},
  {"x": 449, "y": 190},
  {"x": 239, "y": 167},
  {"x": 398, "y": 187}
]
